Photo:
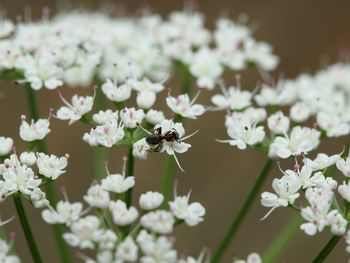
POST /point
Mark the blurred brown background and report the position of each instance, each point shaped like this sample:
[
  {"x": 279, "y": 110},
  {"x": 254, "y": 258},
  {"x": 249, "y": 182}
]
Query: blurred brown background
[{"x": 303, "y": 34}]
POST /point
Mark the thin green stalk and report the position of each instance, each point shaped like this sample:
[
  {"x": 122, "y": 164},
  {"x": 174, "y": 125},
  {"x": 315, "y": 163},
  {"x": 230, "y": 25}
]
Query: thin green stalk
[
  {"x": 283, "y": 239},
  {"x": 239, "y": 218},
  {"x": 327, "y": 249},
  {"x": 99, "y": 154},
  {"x": 186, "y": 81},
  {"x": 26, "y": 229},
  {"x": 168, "y": 179},
  {"x": 49, "y": 187},
  {"x": 129, "y": 172}
]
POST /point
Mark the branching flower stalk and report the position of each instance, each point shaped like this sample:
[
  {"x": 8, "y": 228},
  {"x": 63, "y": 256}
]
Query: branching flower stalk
[
  {"x": 242, "y": 212},
  {"x": 49, "y": 186},
  {"x": 27, "y": 229}
]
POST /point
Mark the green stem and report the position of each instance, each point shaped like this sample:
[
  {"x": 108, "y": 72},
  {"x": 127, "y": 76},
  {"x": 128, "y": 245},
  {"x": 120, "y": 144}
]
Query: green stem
[
  {"x": 186, "y": 81},
  {"x": 129, "y": 172},
  {"x": 168, "y": 179},
  {"x": 283, "y": 239},
  {"x": 99, "y": 154},
  {"x": 26, "y": 229},
  {"x": 327, "y": 249},
  {"x": 238, "y": 219},
  {"x": 49, "y": 188}
]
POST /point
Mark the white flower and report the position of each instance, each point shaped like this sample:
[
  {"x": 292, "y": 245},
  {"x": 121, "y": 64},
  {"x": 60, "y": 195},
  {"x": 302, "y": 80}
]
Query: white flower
[
  {"x": 145, "y": 99},
  {"x": 280, "y": 94},
  {"x": 154, "y": 117},
  {"x": 306, "y": 177},
  {"x": 278, "y": 123},
  {"x": 97, "y": 197},
  {"x": 122, "y": 215},
  {"x": 322, "y": 161},
  {"x": 184, "y": 107},
  {"x": 344, "y": 166},
  {"x": 147, "y": 90},
  {"x": 117, "y": 183},
  {"x": 36, "y": 130},
  {"x": 332, "y": 124},
  {"x": 41, "y": 73},
  {"x": 127, "y": 250},
  {"x": 107, "y": 239},
  {"x": 76, "y": 109},
  {"x": 141, "y": 149},
  {"x": 103, "y": 117},
  {"x": 159, "y": 221},
  {"x": 18, "y": 177},
  {"x": 256, "y": 114},
  {"x": 131, "y": 117},
  {"x": 84, "y": 233},
  {"x": 337, "y": 222},
  {"x": 6, "y": 27},
  {"x": 156, "y": 249},
  {"x": 28, "y": 158},
  {"x": 233, "y": 99},
  {"x": 5, "y": 250},
  {"x": 300, "y": 112},
  {"x": 301, "y": 141},
  {"x": 6, "y": 145},
  {"x": 286, "y": 190},
  {"x": 65, "y": 213},
  {"x": 105, "y": 135},
  {"x": 252, "y": 258},
  {"x": 192, "y": 213},
  {"x": 344, "y": 191},
  {"x": 260, "y": 53},
  {"x": 320, "y": 200},
  {"x": 38, "y": 198},
  {"x": 151, "y": 200},
  {"x": 205, "y": 65},
  {"x": 243, "y": 131},
  {"x": 115, "y": 93},
  {"x": 51, "y": 166}
]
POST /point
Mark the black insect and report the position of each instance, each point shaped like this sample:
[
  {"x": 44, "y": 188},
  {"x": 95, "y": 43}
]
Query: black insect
[{"x": 156, "y": 138}]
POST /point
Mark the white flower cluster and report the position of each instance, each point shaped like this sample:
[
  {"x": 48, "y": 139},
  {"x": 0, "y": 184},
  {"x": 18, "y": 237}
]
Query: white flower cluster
[
  {"x": 19, "y": 176},
  {"x": 324, "y": 96},
  {"x": 321, "y": 208},
  {"x": 146, "y": 46},
  {"x": 113, "y": 231}
]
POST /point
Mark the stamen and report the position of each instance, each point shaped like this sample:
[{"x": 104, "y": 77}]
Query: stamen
[
  {"x": 177, "y": 162},
  {"x": 142, "y": 128},
  {"x": 2, "y": 223},
  {"x": 106, "y": 168},
  {"x": 268, "y": 213},
  {"x": 125, "y": 159},
  {"x": 188, "y": 136}
]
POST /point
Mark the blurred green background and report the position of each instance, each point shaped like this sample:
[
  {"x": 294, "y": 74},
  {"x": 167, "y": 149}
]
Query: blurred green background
[{"x": 305, "y": 34}]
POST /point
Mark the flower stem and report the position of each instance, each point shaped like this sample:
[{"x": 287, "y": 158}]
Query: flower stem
[
  {"x": 99, "y": 154},
  {"x": 327, "y": 249},
  {"x": 49, "y": 188},
  {"x": 129, "y": 172},
  {"x": 26, "y": 229},
  {"x": 238, "y": 219},
  {"x": 283, "y": 239},
  {"x": 168, "y": 179}
]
